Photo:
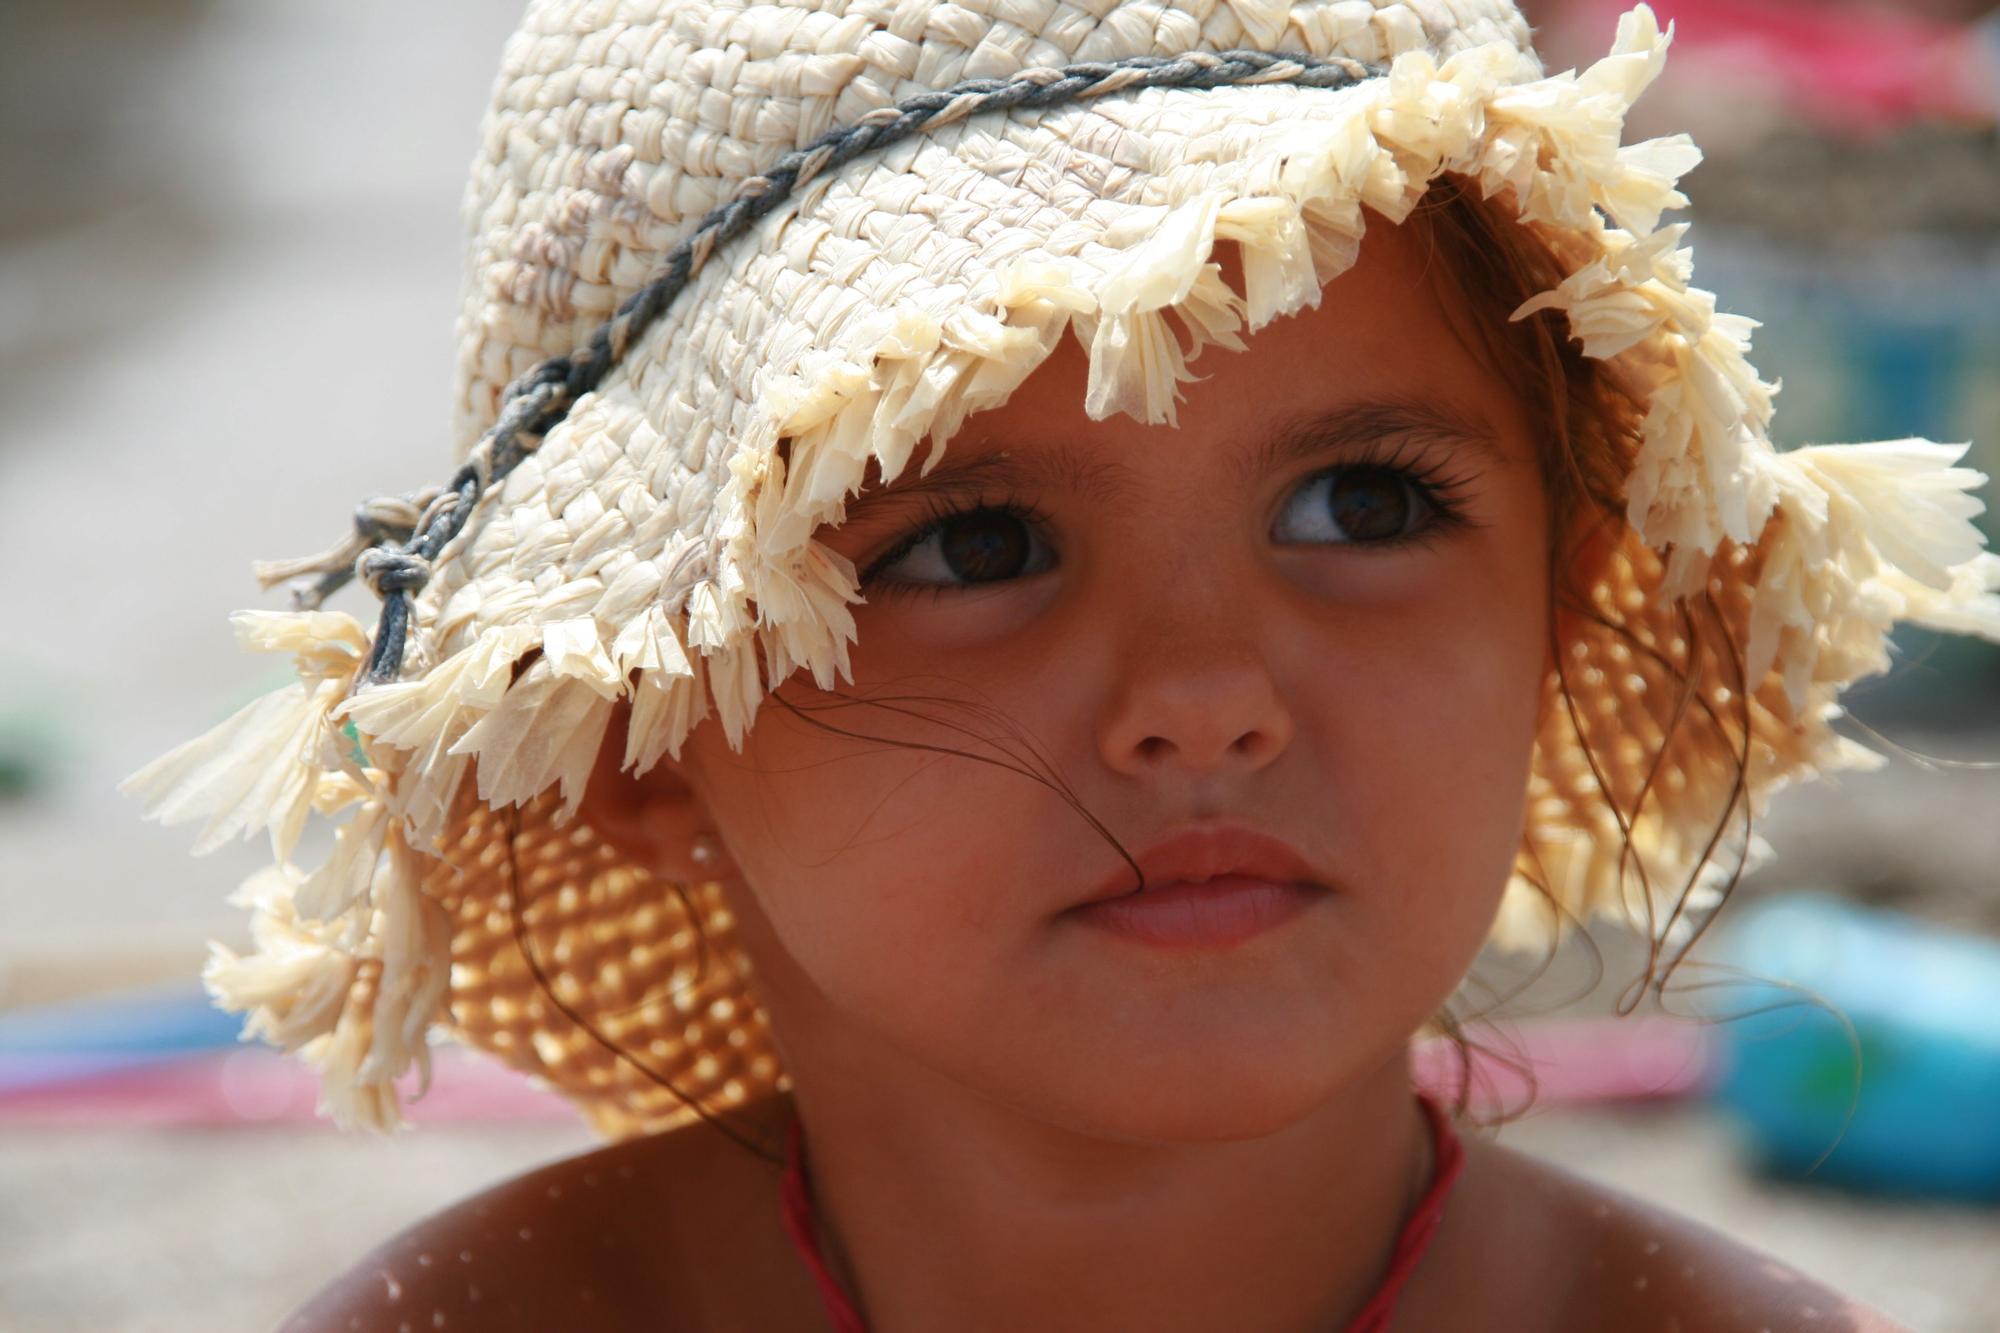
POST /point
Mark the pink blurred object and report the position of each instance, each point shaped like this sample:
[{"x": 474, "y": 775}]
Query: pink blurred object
[
  {"x": 1851, "y": 67},
  {"x": 1582, "y": 1061},
  {"x": 1579, "y": 1061},
  {"x": 253, "y": 1085}
]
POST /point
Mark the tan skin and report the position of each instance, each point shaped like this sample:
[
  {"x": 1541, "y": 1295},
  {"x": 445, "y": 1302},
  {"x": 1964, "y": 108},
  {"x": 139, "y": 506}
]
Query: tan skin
[{"x": 1017, "y": 1122}]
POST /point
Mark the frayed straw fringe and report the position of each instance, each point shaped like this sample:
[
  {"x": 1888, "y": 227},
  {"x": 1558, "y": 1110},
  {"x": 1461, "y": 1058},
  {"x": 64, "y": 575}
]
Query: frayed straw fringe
[{"x": 352, "y": 960}]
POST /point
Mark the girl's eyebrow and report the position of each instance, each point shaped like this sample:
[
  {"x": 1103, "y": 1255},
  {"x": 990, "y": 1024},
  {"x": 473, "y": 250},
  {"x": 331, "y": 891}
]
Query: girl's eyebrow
[
  {"x": 1365, "y": 421},
  {"x": 1090, "y": 473},
  {"x": 1068, "y": 467}
]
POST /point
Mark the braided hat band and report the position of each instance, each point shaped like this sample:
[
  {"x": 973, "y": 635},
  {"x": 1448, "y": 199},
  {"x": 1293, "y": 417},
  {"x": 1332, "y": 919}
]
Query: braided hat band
[{"x": 635, "y": 521}]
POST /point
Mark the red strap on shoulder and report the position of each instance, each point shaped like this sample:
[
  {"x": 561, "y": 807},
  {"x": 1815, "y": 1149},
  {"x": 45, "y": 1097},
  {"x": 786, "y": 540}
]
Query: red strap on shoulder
[
  {"x": 1411, "y": 1242},
  {"x": 796, "y": 1196},
  {"x": 1420, "y": 1226}
]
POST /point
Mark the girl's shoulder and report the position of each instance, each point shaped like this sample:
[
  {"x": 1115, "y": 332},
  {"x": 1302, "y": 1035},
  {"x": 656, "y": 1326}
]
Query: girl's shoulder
[
  {"x": 668, "y": 1231},
  {"x": 682, "y": 1231},
  {"x": 1534, "y": 1245}
]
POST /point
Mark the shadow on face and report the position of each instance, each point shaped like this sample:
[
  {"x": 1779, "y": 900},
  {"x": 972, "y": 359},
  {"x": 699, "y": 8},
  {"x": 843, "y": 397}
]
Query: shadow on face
[{"x": 1315, "y": 610}]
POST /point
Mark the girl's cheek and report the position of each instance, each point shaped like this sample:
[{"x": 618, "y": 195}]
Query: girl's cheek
[
  {"x": 1432, "y": 704},
  {"x": 881, "y": 843}
]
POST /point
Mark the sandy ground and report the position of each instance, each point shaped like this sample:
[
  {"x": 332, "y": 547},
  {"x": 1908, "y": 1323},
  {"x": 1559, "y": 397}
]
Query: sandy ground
[{"x": 225, "y": 315}]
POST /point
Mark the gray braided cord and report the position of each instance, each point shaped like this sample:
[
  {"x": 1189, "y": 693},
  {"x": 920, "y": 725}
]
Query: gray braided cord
[{"x": 533, "y": 404}]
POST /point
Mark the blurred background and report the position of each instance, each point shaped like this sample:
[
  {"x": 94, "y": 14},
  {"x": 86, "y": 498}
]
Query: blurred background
[{"x": 228, "y": 274}]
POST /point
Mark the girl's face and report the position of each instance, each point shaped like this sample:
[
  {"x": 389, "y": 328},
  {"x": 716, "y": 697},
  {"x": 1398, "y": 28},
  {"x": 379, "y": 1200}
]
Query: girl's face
[{"x": 1316, "y": 611}]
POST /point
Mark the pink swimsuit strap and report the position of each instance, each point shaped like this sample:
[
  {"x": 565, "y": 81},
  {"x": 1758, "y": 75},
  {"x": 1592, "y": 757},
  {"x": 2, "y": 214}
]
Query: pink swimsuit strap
[{"x": 1411, "y": 1242}]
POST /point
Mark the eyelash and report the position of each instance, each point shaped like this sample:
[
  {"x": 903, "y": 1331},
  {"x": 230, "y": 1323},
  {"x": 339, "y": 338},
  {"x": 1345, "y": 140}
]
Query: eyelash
[
  {"x": 939, "y": 511},
  {"x": 1439, "y": 490}
]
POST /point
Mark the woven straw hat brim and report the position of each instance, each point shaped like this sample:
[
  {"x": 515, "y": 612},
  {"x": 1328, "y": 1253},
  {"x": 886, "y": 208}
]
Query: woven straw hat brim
[{"x": 658, "y": 546}]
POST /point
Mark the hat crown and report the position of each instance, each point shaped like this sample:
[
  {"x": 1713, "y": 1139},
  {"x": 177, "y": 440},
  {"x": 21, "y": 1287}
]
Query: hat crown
[{"x": 611, "y": 135}]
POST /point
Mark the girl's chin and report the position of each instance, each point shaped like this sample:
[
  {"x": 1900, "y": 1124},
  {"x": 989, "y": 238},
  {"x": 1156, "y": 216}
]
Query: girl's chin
[
  {"x": 1172, "y": 1045},
  {"x": 1162, "y": 1086},
  {"x": 1213, "y": 1111}
]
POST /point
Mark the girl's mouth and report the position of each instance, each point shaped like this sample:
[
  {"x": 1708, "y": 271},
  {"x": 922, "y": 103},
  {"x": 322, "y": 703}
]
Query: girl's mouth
[
  {"x": 1211, "y": 886},
  {"x": 1216, "y": 913}
]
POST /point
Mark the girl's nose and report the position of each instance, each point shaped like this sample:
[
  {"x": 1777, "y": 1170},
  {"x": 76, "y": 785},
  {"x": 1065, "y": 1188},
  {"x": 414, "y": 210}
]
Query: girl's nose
[{"x": 1197, "y": 708}]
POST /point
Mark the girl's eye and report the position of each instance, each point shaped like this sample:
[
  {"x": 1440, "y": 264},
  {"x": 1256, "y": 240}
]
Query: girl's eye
[
  {"x": 1357, "y": 505},
  {"x": 986, "y": 545}
]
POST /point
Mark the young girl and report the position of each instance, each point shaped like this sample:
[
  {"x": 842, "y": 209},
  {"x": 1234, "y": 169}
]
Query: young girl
[{"x": 1051, "y": 960}]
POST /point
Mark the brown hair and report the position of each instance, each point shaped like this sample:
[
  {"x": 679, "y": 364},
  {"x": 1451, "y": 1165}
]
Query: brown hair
[{"x": 1587, "y": 423}]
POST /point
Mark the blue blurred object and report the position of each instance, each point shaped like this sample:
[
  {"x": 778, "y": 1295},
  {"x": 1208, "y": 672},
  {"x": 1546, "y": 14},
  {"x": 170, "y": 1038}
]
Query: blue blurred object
[
  {"x": 1908, "y": 375},
  {"x": 1925, "y": 1008},
  {"x": 54, "y": 1043}
]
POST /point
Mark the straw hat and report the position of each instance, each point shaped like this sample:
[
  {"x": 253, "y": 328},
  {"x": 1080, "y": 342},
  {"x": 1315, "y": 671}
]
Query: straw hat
[{"x": 635, "y": 518}]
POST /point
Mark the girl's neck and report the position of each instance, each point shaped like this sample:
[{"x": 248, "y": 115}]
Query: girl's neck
[{"x": 941, "y": 1209}]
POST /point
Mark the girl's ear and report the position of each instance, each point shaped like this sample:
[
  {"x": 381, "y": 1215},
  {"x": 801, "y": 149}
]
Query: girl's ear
[{"x": 656, "y": 821}]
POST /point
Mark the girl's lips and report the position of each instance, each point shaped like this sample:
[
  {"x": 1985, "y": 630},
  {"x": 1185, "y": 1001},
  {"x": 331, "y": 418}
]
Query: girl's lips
[
  {"x": 1215, "y": 913},
  {"x": 1209, "y": 886}
]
